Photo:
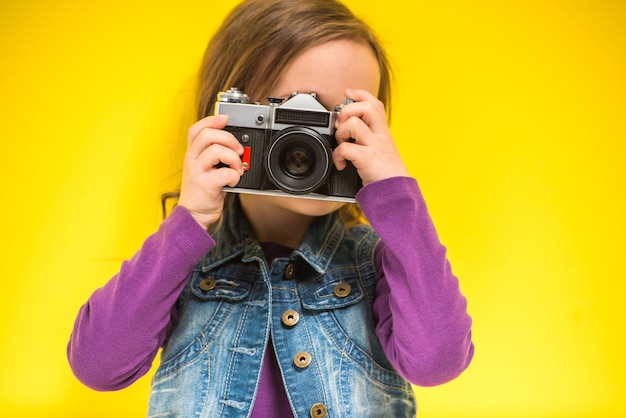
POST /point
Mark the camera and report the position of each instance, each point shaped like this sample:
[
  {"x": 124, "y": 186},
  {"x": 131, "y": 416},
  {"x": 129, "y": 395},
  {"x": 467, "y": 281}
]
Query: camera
[{"x": 288, "y": 147}]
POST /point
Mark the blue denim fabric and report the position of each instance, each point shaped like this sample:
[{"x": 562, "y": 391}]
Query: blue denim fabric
[{"x": 211, "y": 363}]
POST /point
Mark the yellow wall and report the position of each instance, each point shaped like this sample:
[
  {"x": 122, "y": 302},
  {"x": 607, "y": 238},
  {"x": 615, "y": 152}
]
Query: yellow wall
[{"x": 510, "y": 114}]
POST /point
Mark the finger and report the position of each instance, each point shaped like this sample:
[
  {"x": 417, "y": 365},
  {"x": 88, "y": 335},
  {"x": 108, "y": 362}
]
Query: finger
[
  {"x": 366, "y": 107},
  {"x": 369, "y": 112},
  {"x": 359, "y": 95},
  {"x": 354, "y": 130},
  {"x": 208, "y": 137},
  {"x": 216, "y": 155},
  {"x": 211, "y": 122},
  {"x": 347, "y": 152},
  {"x": 225, "y": 176}
]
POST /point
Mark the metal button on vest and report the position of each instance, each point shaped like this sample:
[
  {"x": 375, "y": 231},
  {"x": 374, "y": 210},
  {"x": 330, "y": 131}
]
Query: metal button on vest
[
  {"x": 290, "y": 318},
  {"x": 290, "y": 271},
  {"x": 302, "y": 359},
  {"x": 318, "y": 410},
  {"x": 342, "y": 290},
  {"x": 207, "y": 284}
]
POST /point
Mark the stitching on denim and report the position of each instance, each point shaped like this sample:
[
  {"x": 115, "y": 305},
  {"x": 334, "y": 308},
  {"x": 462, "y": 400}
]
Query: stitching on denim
[
  {"x": 241, "y": 325},
  {"x": 366, "y": 357},
  {"x": 234, "y": 404},
  {"x": 256, "y": 303},
  {"x": 315, "y": 362},
  {"x": 243, "y": 350}
]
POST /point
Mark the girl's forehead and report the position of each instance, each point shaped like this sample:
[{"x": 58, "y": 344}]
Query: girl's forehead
[{"x": 328, "y": 70}]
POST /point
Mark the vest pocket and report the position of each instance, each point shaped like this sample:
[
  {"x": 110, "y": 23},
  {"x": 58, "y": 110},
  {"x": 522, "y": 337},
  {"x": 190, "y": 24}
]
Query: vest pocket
[
  {"x": 223, "y": 284},
  {"x": 180, "y": 392},
  {"x": 343, "y": 314},
  {"x": 333, "y": 294},
  {"x": 210, "y": 301}
]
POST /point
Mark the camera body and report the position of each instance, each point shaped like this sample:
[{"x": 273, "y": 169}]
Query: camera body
[{"x": 288, "y": 147}]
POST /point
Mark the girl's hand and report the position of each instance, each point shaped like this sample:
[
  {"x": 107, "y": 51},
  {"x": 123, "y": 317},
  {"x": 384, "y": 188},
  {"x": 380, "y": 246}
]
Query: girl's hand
[
  {"x": 201, "y": 189},
  {"x": 363, "y": 138}
]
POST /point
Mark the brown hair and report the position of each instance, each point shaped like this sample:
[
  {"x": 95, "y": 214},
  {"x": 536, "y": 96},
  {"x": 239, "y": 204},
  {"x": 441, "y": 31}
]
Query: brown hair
[{"x": 259, "y": 38}]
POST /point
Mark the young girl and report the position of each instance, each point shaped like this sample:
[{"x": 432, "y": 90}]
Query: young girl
[{"x": 286, "y": 306}]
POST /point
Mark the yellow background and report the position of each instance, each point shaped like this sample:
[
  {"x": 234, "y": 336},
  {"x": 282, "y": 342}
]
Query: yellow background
[{"x": 510, "y": 114}]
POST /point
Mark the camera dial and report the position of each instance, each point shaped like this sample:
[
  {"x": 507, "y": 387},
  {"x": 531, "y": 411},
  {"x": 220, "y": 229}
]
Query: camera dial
[{"x": 233, "y": 95}]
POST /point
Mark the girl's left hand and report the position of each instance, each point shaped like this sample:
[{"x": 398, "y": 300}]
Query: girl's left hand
[{"x": 363, "y": 138}]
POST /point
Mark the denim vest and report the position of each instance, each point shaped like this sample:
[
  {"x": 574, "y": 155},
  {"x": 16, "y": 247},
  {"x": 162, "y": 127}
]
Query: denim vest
[{"x": 316, "y": 306}]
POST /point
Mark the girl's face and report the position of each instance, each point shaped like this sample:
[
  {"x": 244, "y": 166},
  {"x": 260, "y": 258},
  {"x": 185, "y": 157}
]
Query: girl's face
[{"x": 327, "y": 70}]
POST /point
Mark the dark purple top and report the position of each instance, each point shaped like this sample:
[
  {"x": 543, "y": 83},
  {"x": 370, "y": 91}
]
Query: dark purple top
[{"x": 422, "y": 319}]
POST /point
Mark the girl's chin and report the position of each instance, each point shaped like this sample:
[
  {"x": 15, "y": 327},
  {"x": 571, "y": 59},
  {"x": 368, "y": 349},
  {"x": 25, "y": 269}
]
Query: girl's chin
[{"x": 308, "y": 207}]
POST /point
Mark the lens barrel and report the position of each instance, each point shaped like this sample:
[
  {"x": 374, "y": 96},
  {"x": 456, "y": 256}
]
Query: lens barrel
[{"x": 299, "y": 160}]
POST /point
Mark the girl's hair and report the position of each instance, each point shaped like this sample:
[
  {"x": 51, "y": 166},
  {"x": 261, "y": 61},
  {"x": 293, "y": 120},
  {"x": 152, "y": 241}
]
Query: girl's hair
[{"x": 258, "y": 40}]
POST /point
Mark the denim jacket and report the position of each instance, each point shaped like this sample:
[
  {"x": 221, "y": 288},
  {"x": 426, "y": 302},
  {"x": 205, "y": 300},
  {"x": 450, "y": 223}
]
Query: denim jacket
[{"x": 316, "y": 306}]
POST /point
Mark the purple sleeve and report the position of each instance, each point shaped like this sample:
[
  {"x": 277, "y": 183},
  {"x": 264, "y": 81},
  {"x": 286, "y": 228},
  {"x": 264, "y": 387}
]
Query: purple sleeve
[
  {"x": 120, "y": 329},
  {"x": 422, "y": 319}
]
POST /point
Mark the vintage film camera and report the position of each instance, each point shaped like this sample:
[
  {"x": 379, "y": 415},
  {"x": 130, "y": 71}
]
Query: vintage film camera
[{"x": 287, "y": 147}]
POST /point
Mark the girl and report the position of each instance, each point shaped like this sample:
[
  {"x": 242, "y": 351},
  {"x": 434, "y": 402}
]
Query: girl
[{"x": 276, "y": 306}]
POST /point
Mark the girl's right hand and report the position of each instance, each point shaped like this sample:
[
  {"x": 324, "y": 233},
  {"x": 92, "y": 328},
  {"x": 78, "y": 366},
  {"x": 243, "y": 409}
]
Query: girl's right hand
[{"x": 203, "y": 181}]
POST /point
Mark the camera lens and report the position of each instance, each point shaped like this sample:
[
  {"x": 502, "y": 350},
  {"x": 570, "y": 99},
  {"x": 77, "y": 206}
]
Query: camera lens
[{"x": 298, "y": 160}]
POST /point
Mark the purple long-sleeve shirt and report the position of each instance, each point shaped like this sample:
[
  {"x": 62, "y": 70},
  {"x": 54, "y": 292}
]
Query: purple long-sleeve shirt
[{"x": 422, "y": 319}]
